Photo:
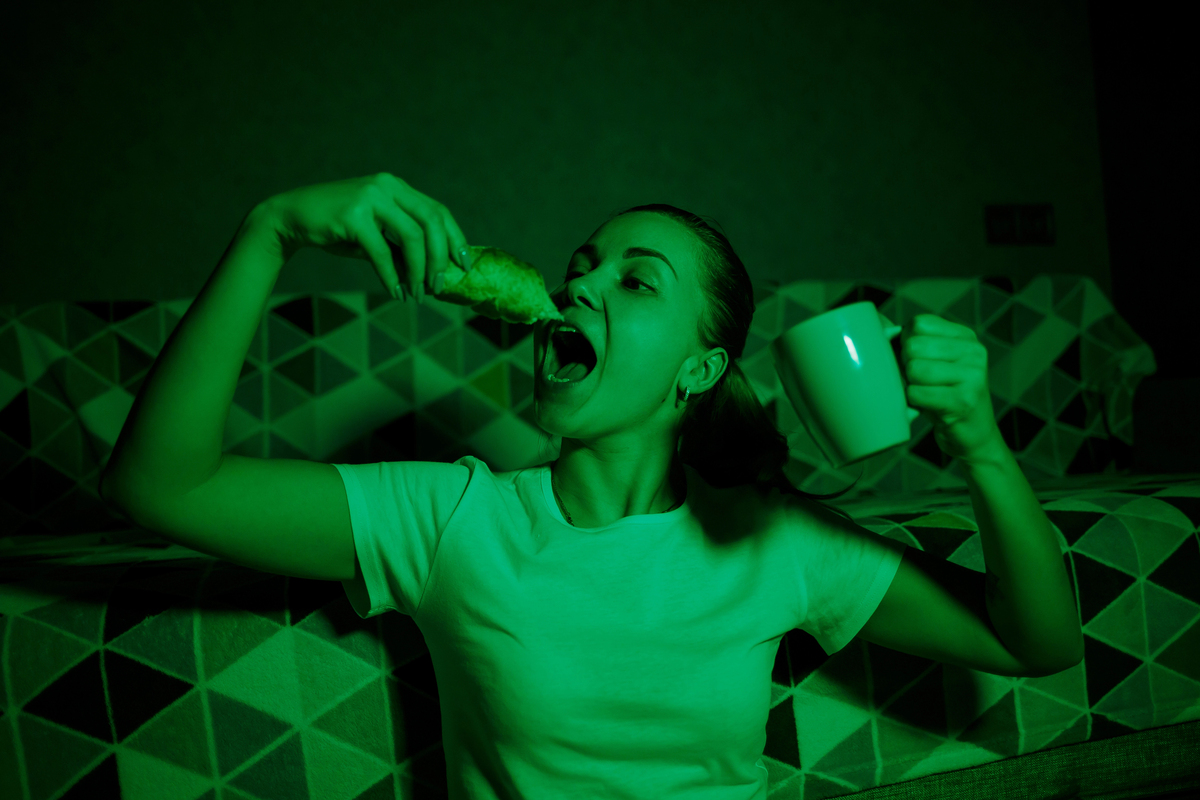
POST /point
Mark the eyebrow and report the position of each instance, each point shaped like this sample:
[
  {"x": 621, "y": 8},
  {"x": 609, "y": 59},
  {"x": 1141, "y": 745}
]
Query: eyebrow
[{"x": 633, "y": 252}]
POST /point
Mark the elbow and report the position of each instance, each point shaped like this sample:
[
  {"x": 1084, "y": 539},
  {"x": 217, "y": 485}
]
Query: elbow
[
  {"x": 1061, "y": 662},
  {"x": 1043, "y": 672},
  {"x": 1046, "y": 661},
  {"x": 1054, "y": 666}
]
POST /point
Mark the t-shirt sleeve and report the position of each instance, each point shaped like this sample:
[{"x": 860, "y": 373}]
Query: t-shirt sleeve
[
  {"x": 845, "y": 570},
  {"x": 398, "y": 510}
]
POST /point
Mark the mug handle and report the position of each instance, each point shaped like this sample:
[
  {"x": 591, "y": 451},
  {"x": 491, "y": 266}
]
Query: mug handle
[{"x": 891, "y": 331}]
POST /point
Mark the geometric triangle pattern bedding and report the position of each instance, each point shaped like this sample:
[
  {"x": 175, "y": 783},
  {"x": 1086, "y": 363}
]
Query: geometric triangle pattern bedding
[
  {"x": 356, "y": 377},
  {"x": 135, "y": 668},
  {"x": 136, "y": 672}
]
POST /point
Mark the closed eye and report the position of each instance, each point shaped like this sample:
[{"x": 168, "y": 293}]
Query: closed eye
[{"x": 635, "y": 280}]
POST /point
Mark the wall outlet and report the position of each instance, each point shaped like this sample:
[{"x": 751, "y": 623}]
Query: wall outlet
[{"x": 1019, "y": 224}]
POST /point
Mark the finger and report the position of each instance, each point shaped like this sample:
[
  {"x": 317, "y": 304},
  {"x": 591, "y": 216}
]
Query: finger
[
  {"x": 377, "y": 250},
  {"x": 407, "y": 202},
  {"x": 443, "y": 239},
  {"x": 935, "y": 372},
  {"x": 941, "y": 326},
  {"x": 436, "y": 250},
  {"x": 460, "y": 251},
  {"x": 946, "y": 348},
  {"x": 402, "y": 229}
]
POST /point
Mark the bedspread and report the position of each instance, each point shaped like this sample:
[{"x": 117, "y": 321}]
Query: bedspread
[
  {"x": 133, "y": 667},
  {"x": 164, "y": 672}
]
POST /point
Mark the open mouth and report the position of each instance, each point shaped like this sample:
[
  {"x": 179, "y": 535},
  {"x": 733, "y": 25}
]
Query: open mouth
[{"x": 569, "y": 358}]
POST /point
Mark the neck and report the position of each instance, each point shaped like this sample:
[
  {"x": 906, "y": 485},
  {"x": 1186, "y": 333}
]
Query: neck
[{"x": 670, "y": 495}]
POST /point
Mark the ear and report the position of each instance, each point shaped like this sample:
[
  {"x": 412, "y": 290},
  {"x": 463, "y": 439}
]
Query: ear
[{"x": 710, "y": 369}]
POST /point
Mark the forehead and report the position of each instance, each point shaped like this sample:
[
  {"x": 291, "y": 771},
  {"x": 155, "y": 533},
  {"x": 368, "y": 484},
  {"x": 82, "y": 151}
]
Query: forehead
[{"x": 645, "y": 229}]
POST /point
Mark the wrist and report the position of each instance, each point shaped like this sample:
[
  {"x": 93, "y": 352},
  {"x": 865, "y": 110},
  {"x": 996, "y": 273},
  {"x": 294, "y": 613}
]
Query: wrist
[
  {"x": 994, "y": 453},
  {"x": 264, "y": 227}
]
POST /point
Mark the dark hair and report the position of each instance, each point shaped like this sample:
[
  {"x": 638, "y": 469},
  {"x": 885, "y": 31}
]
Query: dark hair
[{"x": 727, "y": 435}]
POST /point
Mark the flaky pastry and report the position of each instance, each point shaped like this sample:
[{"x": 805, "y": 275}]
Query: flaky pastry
[{"x": 499, "y": 286}]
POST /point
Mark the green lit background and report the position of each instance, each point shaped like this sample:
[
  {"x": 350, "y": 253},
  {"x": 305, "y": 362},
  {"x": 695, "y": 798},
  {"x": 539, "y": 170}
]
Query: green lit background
[
  {"x": 829, "y": 139},
  {"x": 856, "y": 141}
]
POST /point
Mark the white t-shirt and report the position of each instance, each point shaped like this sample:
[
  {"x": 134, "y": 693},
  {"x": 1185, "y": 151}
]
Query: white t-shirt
[{"x": 628, "y": 661}]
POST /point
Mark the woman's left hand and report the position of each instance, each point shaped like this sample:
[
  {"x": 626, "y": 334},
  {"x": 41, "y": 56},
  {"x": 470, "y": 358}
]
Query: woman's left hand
[{"x": 946, "y": 369}]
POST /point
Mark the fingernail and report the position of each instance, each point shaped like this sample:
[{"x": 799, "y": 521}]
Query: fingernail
[
  {"x": 438, "y": 280},
  {"x": 464, "y": 259},
  {"x": 396, "y": 292}
]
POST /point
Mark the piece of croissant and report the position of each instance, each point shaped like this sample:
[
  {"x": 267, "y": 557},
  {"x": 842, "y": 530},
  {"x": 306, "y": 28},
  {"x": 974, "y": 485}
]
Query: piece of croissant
[{"x": 499, "y": 286}]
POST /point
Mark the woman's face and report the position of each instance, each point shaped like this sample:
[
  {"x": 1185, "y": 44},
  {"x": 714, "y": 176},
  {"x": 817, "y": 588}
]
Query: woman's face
[{"x": 640, "y": 312}]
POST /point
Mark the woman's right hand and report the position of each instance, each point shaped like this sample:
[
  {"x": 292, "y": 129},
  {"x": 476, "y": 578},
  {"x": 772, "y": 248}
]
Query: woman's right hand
[{"x": 406, "y": 236}]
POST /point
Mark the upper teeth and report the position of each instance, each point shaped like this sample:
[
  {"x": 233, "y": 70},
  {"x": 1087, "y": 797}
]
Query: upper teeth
[{"x": 551, "y": 357}]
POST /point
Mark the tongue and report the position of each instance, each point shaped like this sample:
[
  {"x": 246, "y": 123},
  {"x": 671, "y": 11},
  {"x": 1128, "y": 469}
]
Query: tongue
[{"x": 574, "y": 371}]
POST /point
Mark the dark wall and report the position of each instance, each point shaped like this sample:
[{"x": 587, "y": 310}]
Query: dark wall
[
  {"x": 1146, "y": 108},
  {"x": 1144, "y": 60},
  {"x": 829, "y": 139}
]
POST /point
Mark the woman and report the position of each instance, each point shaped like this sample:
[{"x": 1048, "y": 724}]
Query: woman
[{"x": 603, "y": 625}]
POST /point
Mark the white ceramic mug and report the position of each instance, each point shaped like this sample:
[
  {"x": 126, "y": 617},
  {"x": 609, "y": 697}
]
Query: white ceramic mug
[{"x": 840, "y": 373}]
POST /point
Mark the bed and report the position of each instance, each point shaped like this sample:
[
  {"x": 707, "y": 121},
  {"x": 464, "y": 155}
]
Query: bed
[{"x": 136, "y": 668}]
